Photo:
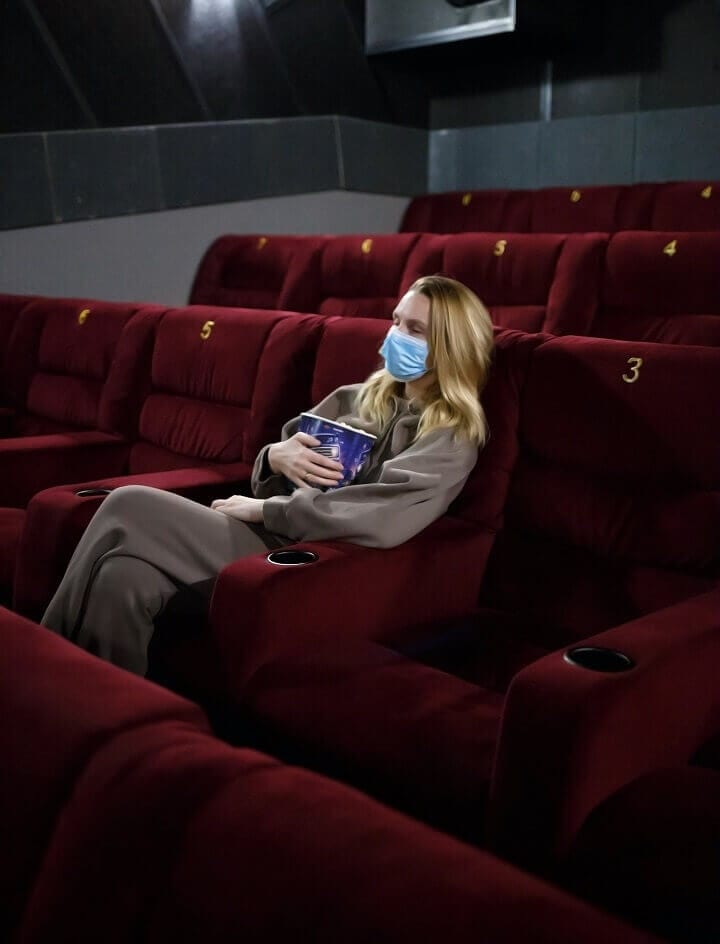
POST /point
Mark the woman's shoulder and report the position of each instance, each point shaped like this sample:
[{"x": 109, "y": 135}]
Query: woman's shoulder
[{"x": 341, "y": 400}]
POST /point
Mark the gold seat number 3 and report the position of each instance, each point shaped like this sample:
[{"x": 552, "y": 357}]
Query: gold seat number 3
[{"x": 635, "y": 363}]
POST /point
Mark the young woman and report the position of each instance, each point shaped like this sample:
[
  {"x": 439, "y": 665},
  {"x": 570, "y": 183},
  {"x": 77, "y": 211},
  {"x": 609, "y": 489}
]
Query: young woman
[{"x": 143, "y": 545}]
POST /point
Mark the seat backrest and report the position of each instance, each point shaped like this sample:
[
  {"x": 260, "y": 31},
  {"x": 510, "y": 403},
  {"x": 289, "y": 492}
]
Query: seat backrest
[
  {"x": 482, "y": 500},
  {"x": 361, "y": 275},
  {"x": 223, "y": 382},
  {"x": 180, "y": 837},
  {"x": 60, "y": 705},
  {"x": 479, "y": 211},
  {"x": 347, "y": 353},
  {"x": 256, "y": 271},
  {"x": 59, "y": 359},
  {"x": 690, "y": 205},
  {"x": 529, "y": 282},
  {"x": 10, "y": 308},
  {"x": 591, "y": 209},
  {"x": 614, "y": 506},
  {"x": 661, "y": 287}
]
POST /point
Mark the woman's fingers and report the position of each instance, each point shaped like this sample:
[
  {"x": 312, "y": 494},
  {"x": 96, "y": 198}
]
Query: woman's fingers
[{"x": 306, "y": 439}]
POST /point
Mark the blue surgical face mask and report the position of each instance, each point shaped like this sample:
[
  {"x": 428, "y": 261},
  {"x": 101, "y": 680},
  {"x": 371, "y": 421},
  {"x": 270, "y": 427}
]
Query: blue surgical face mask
[{"x": 405, "y": 357}]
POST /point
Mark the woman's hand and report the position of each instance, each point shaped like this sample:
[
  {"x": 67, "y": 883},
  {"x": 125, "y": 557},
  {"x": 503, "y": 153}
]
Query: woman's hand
[
  {"x": 241, "y": 507},
  {"x": 296, "y": 461}
]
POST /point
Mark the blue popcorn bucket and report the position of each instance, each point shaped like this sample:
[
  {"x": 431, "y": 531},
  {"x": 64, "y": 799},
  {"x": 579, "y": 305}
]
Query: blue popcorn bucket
[{"x": 340, "y": 442}]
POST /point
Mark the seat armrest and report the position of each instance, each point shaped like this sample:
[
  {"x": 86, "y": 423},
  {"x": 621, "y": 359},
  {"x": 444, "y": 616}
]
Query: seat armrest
[
  {"x": 57, "y": 517},
  {"x": 570, "y": 737},
  {"x": 32, "y": 463},
  {"x": 261, "y": 611}
]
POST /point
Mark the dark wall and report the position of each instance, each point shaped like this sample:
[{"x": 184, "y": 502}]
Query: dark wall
[
  {"x": 628, "y": 57},
  {"x": 67, "y": 64}
]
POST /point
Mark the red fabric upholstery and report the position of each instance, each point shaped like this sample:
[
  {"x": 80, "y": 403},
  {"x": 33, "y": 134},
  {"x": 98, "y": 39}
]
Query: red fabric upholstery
[
  {"x": 613, "y": 514},
  {"x": 583, "y": 735},
  {"x": 689, "y": 205},
  {"x": 216, "y": 399},
  {"x": 58, "y": 361},
  {"x": 591, "y": 209},
  {"x": 59, "y": 706},
  {"x": 614, "y": 509},
  {"x": 489, "y": 211},
  {"x": 119, "y": 803},
  {"x": 260, "y": 272},
  {"x": 347, "y": 353},
  {"x": 210, "y": 404},
  {"x": 528, "y": 282},
  {"x": 661, "y": 287},
  {"x": 281, "y": 604},
  {"x": 361, "y": 275},
  {"x": 650, "y": 852},
  {"x": 11, "y": 525},
  {"x": 10, "y": 308},
  {"x": 32, "y": 463}
]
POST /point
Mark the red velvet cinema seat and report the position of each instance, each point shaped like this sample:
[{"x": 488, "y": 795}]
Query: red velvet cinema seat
[
  {"x": 361, "y": 275},
  {"x": 528, "y": 282},
  {"x": 689, "y": 205},
  {"x": 255, "y": 271},
  {"x": 604, "y": 209},
  {"x": 58, "y": 360},
  {"x": 650, "y": 852},
  {"x": 611, "y": 539},
  {"x": 123, "y": 819},
  {"x": 96, "y": 375},
  {"x": 10, "y": 308},
  {"x": 429, "y": 573},
  {"x": 479, "y": 211},
  {"x": 661, "y": 287},
  {"x": 222, "y": 383}
]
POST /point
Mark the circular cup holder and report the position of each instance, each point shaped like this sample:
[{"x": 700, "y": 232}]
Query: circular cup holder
[
  {"x": 92, "y": 492},
  {"x": 292, "y": 558},
  {"x": 598, "y": 659}
]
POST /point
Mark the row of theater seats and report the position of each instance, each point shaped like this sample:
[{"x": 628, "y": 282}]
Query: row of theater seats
[
  {"x": 591, "y": 521},
  {"x": 123, "y": 819},
  {"x": 661, "y": 286},
  {"x": 686, "y": 206}
]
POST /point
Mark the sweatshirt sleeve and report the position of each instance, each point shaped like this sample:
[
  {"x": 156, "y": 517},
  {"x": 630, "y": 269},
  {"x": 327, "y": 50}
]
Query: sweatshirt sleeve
[
  {"x": 414, "y": 488},
  {"x": 265, "y": 483}
]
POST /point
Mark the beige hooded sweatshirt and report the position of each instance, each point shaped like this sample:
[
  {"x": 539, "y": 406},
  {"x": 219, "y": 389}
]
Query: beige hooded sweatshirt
[{"x": 402, "y": 487}]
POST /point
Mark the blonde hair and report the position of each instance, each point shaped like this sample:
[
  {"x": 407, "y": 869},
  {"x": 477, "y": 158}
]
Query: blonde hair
[{"x": 460, "y": 346}]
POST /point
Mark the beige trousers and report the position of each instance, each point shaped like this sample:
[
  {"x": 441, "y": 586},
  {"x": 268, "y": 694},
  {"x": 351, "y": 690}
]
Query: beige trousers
[{"x": 142, "y": 546}]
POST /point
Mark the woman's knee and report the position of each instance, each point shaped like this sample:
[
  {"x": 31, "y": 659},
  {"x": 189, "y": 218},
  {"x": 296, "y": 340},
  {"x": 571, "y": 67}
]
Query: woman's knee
[{"x": 137, "y": 503}]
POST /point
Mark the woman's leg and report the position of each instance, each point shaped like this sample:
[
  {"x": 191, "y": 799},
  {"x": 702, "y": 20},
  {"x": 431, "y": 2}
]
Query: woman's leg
[{"x": 142, "y": 545}]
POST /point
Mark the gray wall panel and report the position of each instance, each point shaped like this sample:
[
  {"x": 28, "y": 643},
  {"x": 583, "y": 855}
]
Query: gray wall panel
[
  {"x": 383, "y": 158},
  {"x": 586, "y": 151},
  {"x": 104, "y": 173},
  {"x": 153, "y": 257},
  {"x": 488, "y": 156},
  {"x": 217, "y": 163},
  {"x": 678, "y": 144},
  {"x": 25, "y": 198}
]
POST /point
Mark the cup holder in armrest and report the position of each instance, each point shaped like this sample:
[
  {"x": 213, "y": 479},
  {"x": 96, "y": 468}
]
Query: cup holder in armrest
[
  {"x": 92, "y": 492},
  {"x": 292, "y": 558},
  {"x": 598, "y": 659}
]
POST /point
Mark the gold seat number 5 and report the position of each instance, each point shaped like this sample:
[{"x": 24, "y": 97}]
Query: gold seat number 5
[{"x": 635, "y": 365}]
